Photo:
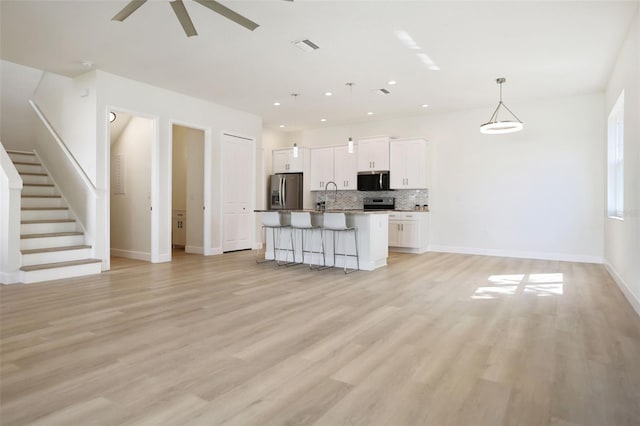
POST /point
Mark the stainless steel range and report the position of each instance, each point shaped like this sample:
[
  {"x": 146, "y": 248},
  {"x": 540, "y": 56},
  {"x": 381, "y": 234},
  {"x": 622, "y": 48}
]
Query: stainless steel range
[{"x": 379, "y": 203}]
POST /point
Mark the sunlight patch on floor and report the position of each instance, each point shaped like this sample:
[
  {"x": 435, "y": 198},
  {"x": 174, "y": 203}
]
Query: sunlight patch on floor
[{"x": 541, "y": 285}]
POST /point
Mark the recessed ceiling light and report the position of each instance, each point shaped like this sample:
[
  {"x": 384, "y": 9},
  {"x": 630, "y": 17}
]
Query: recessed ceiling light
[
  {"x": 328, "y": 93},
  {"x": 323, "y": 119},
  {"x": 424, "y": 106},
  {"x": 282, "y": 125},
  {"x": 369, "y": 113},
  {"x": 276, "y": 104},
  {"x": 391, "y": 82},
  {"x": 306, "y": 45}
]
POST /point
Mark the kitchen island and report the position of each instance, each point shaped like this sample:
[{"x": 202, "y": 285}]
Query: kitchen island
[{"x": 373, "y": 240}]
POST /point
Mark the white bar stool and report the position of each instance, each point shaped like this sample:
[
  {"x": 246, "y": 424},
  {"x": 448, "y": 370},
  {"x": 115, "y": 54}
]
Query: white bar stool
[
  {"x": 337, "y": 224},
  {"x": 275, "y": 221},
  {"x": 302, "y": 221}
]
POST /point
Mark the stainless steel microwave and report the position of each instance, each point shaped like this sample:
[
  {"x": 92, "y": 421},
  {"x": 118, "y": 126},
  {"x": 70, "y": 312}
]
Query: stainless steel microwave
[{"x": 373, "y": 181}]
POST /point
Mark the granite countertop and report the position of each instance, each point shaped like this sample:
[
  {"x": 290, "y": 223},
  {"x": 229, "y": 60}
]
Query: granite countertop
[{"x": 345, "y": 211}]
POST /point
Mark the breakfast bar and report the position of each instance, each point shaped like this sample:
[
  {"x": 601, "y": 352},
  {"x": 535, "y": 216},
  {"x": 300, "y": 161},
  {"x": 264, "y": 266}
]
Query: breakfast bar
[{"x": 372, "y": 240}]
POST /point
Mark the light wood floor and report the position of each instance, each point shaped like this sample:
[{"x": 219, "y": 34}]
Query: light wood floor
[{"x": 434, "y": 339}]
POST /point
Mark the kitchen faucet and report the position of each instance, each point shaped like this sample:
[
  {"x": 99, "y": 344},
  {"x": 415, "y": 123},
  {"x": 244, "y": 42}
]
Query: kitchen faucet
[{"x": 335, "y": 194}]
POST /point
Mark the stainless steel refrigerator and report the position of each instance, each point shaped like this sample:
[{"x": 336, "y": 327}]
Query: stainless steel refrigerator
[{"x": 286, "y": 191}]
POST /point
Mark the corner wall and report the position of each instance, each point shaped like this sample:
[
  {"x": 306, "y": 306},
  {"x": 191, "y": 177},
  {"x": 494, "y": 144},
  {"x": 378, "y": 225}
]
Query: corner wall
[{"x": 622, "y": 237}]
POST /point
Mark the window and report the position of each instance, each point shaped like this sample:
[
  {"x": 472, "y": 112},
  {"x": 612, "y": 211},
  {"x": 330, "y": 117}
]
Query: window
[{"x": 615, "y": 160}]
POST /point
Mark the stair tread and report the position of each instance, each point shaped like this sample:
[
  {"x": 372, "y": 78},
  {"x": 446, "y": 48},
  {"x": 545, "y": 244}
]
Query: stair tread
[
  {"x": 44, "y": 208},
  {"x": 38, "y": 184},
  {"x": 41, "y": 196},
  {"x": 53, "y": 249},
  {"x": 52, "y": 234},
  {"x": 27, "y": 163},
  {"x": 33, "y": 222},
  {"x": 15, "y": 151},
  {"x": 59, "y": 264},
  {"x": 32, "y": 174}
]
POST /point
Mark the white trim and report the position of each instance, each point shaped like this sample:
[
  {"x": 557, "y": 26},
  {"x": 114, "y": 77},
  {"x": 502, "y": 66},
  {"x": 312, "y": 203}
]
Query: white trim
[
  {"x": 634, "y": 300},
  {"x": 130, "y": 254},
  {"x": 564, "y": 257},
  {"x": 8, "y": 278},
  {"x": 155, "y": 194},
  {"x": 215, "y": 251},
  {"x": 194, "y": 249}
]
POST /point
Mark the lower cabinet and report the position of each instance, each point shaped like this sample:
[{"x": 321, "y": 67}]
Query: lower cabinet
[{"x": 409, "y": 232}]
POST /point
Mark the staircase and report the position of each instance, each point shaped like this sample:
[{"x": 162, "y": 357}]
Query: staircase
[{"x": 51, "y": 241}]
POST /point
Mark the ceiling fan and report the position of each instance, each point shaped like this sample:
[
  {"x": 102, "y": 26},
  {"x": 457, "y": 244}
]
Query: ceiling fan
[{"x": 183, "y": 15}]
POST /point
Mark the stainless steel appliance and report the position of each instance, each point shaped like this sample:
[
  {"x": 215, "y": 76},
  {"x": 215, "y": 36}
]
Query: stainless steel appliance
[
  {"x": 379, "y": 203},
  {"x": 373, "y": 181},
  {"x": 285, "y": 191}
]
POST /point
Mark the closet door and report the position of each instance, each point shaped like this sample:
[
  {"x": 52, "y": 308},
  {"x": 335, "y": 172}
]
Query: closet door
[{"x": 237, "y": 192}]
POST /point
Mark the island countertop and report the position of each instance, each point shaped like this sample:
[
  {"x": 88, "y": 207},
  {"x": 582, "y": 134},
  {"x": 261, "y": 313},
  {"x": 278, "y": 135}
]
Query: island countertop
[{"x": 345, "y": 211}]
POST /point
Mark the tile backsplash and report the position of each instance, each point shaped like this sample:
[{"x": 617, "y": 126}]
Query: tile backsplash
[{"x": 406, "y": 199}]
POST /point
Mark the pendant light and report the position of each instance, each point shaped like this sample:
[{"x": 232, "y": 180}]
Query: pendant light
[
  {"x": 295, "y": 145},
  {"x": 350, "y": 141},
  {"x": 496, "y": 126}
]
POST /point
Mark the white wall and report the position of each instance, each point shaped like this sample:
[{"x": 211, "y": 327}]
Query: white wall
[
  {"x": 536, "y": 194},
  {"x": 179, "y": 169},
  {"x": 130, "y": 215},
  {"x": 17, "y": 84},
  {"x": 118, "y": 93},
  {"x": 70, "y": 106},
  {"x": 622, "y": 238}
]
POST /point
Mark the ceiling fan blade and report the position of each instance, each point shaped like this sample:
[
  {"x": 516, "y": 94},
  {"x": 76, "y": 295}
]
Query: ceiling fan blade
[
  {"x": 183, "y": 17},
  {"x": 229, "y": 14},
  {"x": 131, "y": 7}
]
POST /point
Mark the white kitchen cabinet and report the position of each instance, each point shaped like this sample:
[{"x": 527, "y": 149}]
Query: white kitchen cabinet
[
  {"x": 409, "y": 231},
  {"x": 321, "y": 168},
  {"x": 333, "y": 164},
  {"x": 179, "y": 228},
  {"x": 373, "y": 154},
  {"x": 408, "y": 164},
  {"x": 283, "y": 161},
  {"x": 345, "y": 170}
]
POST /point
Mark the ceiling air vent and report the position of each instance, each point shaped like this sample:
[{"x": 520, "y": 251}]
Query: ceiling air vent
[
  {"x": 383, "y": 91},
  {"x": 306, "y": 45}
]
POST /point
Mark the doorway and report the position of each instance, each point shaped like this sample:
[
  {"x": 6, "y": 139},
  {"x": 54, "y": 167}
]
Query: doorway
[
  {"x": 188, "y": 189},
  {"x": 131, "y": 139}
]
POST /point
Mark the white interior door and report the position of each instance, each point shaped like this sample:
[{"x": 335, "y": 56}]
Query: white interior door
[{"x": 237, "y": 192}]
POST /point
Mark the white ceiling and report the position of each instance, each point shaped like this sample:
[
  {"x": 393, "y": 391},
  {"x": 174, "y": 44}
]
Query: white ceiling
[{"x": 544, "y": 49}]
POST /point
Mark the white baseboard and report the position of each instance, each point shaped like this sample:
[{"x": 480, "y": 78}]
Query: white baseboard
[
  {"x": 214, "y": 251},
  {"x": 194, "y": 249},
  {"x": 519, "y": 254},
  {"x": 624, "y": 287},
  {"x": 10, "y": 278},
  {"x": 130, "y": 254}
]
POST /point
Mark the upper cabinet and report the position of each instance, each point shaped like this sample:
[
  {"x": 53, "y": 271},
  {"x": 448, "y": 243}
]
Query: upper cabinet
[
  {"x": 345, "y": 168},
  {"x": 333, "y": 164},
  {"x": 373, "y": 154},
  {"x": 321, "y": 168},
  {"x": 409, "y": 165},
  {"x": 283, "y": 161}
]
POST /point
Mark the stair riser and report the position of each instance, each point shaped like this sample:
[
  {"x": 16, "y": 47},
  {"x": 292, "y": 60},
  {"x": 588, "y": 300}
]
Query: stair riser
[
  {"x": 39, "y": 190},
  {"x": 44, "y": 214},
  {"x": 34, "y": 179},
  {"x": 42, "y": 202},
  {"x": 48, "y": 242},
  {"x": 27, "y": 158},
  {"x": 55, "y": 256},
  {"x": 27, "y": 168},
  {"x": 60, "y": 273},
  {"x": 42, "y": 228}
]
